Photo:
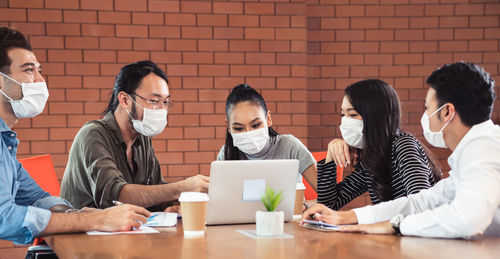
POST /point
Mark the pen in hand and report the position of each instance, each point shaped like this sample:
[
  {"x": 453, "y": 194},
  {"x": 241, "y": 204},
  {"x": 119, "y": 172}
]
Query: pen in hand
[{"x": 116, "y": 203}]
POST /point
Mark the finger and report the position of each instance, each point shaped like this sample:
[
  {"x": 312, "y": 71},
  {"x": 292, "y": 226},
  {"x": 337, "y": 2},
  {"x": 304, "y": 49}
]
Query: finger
[
  {"x": 204, "y": 178},
  {"x": 136, "y": 224},
  {"x": 347, "y": 153},
  {"x": 140, "y": 210},
  {"x": 339, "y": 159},
  {"x": 141, "y": 219}
]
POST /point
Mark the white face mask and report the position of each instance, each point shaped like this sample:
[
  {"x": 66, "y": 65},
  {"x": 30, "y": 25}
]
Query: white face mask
[
  {"x": 352, "y": 132},
  {"x": 434, "y": 138},
  {"x": 153, "y": 121},
  {"x": 35, "y": 96},
  {"x": 251, "y": 142}
]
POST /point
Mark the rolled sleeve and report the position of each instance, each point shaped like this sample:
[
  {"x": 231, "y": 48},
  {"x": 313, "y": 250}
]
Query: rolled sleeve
[
  {"x": 365, "y": 215},
  {"x": 51, "y": 201},
  {"x": 35, "y": 221}
]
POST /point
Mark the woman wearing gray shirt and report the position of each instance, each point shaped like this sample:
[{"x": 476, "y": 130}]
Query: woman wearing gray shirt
[{"x": 250, "y": 135}]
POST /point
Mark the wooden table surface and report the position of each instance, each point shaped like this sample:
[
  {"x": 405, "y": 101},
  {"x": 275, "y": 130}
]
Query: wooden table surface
[{"x": 226, "y": 242}]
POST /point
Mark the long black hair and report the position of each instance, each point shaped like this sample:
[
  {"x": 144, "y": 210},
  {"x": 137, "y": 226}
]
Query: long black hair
[
  {"x": 129, "y": 79},
  {"x": 378, "y": 104},
  {"x": 241, "y": 93}
]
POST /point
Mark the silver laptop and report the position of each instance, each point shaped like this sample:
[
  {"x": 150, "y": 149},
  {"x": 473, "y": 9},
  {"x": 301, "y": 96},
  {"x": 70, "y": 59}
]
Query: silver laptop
[{"x": 236, "y": 188}]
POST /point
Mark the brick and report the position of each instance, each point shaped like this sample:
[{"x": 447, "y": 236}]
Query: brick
[
  {"x": 244, "y": 70},
  {"x": 115, "y": 43},
  {"x": 182, "y": 70},
  {"x": 365, "y": 71},
  {"x": 229, "y": 58},
  {"x": 66, "y": 108},
  {"x": 262, "y": 83},
  {"x": 379, "y": 59},
  {"x": 195, "y": 7},
  {"x": 437, "y": 58},
  {"x": 297, "y": 46},
  {"x": 105, "y": 82},
  {"x": 439, "y": 10},
  {"x": 82, "y": 94},
  {"x": 147, "y": 18},
  {"x": 275, "y": 46},
  {"x": 228, "y": 33},
  {"x": 350, "y": 35},
  {"x": 453, "y": 22},
  {"x": 79, "y": 16},
  {"x": 291, "y": 34},
  {"x": 52, "y": 121},
  {"x": 25, "y": 4},
  {"x": 483, "y": 21},
  {"x": 408, "y": 59},
  {"x": 380, "y": 10},
  {"x": 81, "y": 43},
  {"x": 47, "y": 42},
  {"x": 30, "y": 28},
  {"x": 196, "y": 32},
  {"x": 290, "y": 58},
  {"x": 197, "y": 58},
  {"x": 166, "y": 57},
  {"x": 409, "y": 10},
  {"x": 291, "y": 83},
  {"x": 424, "y": 46},
  {"x": 475, "y": 57},
  {"x": 164, "y": 6},
  {"x": 416, "y": 82},
  {"x": 424, "y": 22},
  {"x": 350, "y": 11},
  {"x": 290, "y": 9},
  {"x": 259, "y": 8},
  {"x": 394, "y": 22},
  {"x": 32, "y": 134},
  {"x": 259, "y": 33},
  {"x": 63, "y": 133},
  {"x": 470, "y": 34},
  {"x": 198, "y": 108},
  {"x": 334, "y": 23},
  {"x": 398, "y": 47},
  {"x": 170, "y": 32},
  {"x": 130, "y": 5},
  {"x": 98, "y": 30},
  {"x": 362, "y": 47},
  {"x": 326, "y": 10},
  {"x": 99, "y": 56},
  {"x": 275, "y": 21},
  {"x": 227, "y": 7},
  {"x": 394, "y": 71},
  {"x": 197, "y": 83},
  {"x": 65, "y": 56},
  {"x": 381, "y": 35},
  {"x": 97, "y": 4},
  {"x": 365, "y": 23},
  {"x": 485, "y": 45},
  {"x": 243, "y": 20},
  {"x": 149, "y": 44},
  {"x": 183, "y": 170},
  {"x": 213, "y": 95},
  {"x": 447, "y": 46},
  {"x": 469, "y": 9},
  {"x": 140, "y": 31},
  {"x": 260, "y": 58},
  {"x": 39, "y": 15},
  {"x": 66, "y": 4},
  {"x": 181, "y": 45},
  {"x": 212, "y": 20},
  {"x": 180, "y": 19},
  {"x": 64, "y": 82},
  {"x": 439, "y": 34},
  {"x": 323, "y": 35},
  {"x": 212, "y": 45},
  {"x": 82, "y": 69},
  {"x": 114, "y": 17}
]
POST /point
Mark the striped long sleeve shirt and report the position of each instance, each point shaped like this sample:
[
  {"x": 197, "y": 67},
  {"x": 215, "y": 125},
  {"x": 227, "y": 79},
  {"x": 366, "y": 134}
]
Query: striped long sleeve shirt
[{"x": 411, "y": 173}]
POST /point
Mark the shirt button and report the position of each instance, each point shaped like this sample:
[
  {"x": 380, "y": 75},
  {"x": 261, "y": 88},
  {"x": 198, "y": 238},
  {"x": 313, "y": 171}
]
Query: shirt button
[{"x": 9, "y": 147}]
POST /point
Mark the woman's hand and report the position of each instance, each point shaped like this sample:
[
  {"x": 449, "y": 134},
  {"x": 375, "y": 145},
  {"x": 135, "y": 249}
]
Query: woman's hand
[
  {"x": 322, "y": 213},
  {"x": 339, "y": 152}
]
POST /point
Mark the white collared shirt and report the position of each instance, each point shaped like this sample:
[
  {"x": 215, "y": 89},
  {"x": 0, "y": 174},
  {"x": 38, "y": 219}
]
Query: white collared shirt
[{"x": 465, "y": 204}]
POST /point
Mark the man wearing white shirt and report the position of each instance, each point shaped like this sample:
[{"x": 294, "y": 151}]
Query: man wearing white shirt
[{"x": 458, "y": 111}]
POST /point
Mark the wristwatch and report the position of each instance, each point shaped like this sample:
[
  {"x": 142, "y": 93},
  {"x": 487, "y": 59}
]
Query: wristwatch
[{"x": 396, "y": 222}]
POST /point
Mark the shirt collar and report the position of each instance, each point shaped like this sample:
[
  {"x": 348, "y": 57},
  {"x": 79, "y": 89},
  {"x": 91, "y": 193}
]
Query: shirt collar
[
  {"x": 473, "y": 131},
  {"x": 110, "y": 123},
  {"x": 4, "y": 127}
]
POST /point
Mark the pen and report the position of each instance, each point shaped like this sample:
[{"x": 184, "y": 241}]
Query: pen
[{"x": 116, "y": 203}]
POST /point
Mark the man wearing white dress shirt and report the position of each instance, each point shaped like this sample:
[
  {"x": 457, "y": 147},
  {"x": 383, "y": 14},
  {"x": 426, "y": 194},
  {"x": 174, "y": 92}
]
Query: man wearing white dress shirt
[{"x": 457, "y": 116}]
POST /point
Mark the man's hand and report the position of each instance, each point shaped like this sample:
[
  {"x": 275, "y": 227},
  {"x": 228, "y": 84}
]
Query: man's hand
[
  {"x": 383, "y": 227},
  {"x": 197, "y": 183},
  {"x": 173, "y": 209},
  {"x": 119, "y": 218},
  {"x": 322, "y": 213}
]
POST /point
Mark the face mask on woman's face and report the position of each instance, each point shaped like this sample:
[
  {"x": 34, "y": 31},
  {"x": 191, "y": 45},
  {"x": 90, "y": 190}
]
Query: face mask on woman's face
[
  {"x": 251, "y": 142},
  {"x": 352, "y": 132}
]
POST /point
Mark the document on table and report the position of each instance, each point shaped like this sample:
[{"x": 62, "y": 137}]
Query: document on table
[
  {"x": 141, "y": 230},
  {"x": 319, "y": 225},
  {"x": 157, "y": 219}
]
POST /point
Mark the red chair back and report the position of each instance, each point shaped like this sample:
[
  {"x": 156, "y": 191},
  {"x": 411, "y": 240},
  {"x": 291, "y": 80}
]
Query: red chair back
[
  {"x": 309, "y": 193},
  {"x": 41, "y": 169}
]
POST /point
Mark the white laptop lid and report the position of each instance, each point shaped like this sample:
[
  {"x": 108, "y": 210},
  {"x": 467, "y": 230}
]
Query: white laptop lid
[{"x": 236, "y": 187}]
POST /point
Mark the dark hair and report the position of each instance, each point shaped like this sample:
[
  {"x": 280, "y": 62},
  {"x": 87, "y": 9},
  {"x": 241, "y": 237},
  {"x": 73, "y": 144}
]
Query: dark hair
[
  {"x": 9, "y": 39},
  {"x": 241, "y": 93},
  {"x": 129, "y": 79},
  {"x": 468, "y": 87},
  {"x": 378, "y": 104}
]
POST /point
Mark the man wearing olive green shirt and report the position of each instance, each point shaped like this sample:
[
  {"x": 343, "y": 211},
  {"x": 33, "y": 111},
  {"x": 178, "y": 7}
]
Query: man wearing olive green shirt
[{"x": 113, "y": 158}]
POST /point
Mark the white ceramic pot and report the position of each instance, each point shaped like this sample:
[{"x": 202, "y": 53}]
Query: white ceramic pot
[{"x": 269, "y": 223}]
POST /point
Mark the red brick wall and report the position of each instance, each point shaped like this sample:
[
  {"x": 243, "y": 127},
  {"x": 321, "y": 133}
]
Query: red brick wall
[{"x": 300, "y": 54}]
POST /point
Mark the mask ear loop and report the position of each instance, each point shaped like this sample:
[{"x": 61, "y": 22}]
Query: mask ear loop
[
  {"x": 4, "y": 94},
  {"x": 446, "y": 124}
]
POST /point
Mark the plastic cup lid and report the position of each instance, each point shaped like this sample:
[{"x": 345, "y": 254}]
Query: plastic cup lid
[{"x": 193, "y": 197}]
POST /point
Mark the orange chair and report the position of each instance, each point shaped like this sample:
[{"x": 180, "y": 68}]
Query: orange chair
[
  {"x": 41, "y": 169},
  {"x": 309, "y": 193}
]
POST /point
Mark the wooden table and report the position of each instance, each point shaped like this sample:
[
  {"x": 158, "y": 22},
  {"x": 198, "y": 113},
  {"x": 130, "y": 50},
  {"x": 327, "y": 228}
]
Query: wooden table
[{"x": 226, "y": 242}]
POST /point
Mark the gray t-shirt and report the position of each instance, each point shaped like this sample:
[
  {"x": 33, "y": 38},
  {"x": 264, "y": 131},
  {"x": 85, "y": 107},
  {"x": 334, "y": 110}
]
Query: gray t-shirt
[{"x": 281, "y": 147}]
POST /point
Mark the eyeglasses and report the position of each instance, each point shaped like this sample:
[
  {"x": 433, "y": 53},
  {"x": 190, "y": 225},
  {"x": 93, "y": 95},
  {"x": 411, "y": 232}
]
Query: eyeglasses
[{"x": 157, "y": 103}]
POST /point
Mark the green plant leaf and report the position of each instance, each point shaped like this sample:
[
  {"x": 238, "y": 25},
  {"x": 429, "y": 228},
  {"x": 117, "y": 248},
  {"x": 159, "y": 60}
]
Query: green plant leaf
[{"x": 270, "y": 199}]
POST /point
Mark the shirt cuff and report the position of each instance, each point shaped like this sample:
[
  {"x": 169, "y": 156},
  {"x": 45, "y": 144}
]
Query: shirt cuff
[
  {"x": 364, "y": 215},
  {"x": 49, "y": 202},
  {"x": 36, "y": 220}
]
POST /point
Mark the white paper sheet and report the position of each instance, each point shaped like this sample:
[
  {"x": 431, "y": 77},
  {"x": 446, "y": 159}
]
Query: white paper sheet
[
  {"x": 141, "y": 230},
  {"x": 162, "y": 219}
]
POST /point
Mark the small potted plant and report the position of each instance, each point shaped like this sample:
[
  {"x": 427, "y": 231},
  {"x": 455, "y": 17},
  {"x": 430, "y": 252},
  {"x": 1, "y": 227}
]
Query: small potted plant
[{"x": 270, "y": 222}]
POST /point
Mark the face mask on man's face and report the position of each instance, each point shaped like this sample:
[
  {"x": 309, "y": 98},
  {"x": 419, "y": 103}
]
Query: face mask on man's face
[
  {"x": 35, "y": 96},
  {"x": 434, "y": 138},
  {"x": 153, "y": 121}
]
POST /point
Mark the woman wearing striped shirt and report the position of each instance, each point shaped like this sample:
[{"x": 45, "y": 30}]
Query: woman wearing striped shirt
[{"x": 386, "y": 162}]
